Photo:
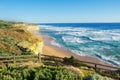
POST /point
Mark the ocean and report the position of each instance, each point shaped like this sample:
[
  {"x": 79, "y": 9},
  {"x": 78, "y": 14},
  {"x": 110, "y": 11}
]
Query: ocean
[{"x": 100, "y": 40}]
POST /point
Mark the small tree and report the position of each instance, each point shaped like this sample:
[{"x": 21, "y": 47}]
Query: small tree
[{"x": 72, "y": 57}]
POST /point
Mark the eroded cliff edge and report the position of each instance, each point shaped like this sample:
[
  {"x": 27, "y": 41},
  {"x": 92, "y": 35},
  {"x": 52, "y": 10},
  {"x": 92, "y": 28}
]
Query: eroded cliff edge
[{"x": 17, "y": 38}]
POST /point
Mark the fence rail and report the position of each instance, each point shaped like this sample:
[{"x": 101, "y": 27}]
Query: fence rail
[
  {"x": 97, "y": 65},
  {"x": 25, "y": 58},
  {"x": 17, "y": 59}
]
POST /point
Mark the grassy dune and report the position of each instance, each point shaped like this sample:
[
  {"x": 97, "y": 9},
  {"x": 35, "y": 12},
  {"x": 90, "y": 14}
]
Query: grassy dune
[{"x": 12, "y": 37}]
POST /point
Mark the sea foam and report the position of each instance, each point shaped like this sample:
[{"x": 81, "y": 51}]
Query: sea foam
[
  {"x": 72, "y": 39},
  {"x": 55, "y": 43}
]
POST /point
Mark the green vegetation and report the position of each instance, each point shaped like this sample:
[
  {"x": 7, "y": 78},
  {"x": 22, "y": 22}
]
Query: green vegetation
[
  {"x": 74, "y": 62},
  {"x": 39, "y": 73},
  {"x": 26, "y": 53},
  {"x": 44, "y": 73},
  {"x": 8, "y": 40},
  {"x": 115, "y": 73},
  {"x": 97, "y": 77},
  {"x": 72, "y": 58},
  {"x": 4, "y": 52},
  {"x": 5, "y": 25}
]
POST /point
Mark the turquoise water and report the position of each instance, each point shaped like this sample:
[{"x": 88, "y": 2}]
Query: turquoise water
[{"x": 101, "y": 40}]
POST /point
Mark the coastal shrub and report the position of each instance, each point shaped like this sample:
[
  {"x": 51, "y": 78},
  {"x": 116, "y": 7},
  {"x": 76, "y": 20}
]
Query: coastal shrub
[
  {"x": 25, "y": 74},
  {"x": 26, "y": 53},
  {"x": 5, "y": 25},
  {"x": 73, "y": 62},
  {"x": 87, "y": 72},
  {"x": 72, "y": 58},
  {"x": 55, "y": 73},
  {"x": 113, "y": 74},
  {"x": 7, "y": 77},
  {"x": 39, "y": 73},
  {"x": 43, "y": 74},
  {"x": 97, "y": 77}
]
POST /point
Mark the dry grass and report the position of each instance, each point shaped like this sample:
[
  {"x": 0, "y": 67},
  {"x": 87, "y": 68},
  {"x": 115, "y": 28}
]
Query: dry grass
[
  {"x": 18, "y": 35},
  {"x": 75, "y": 70},
  {"x": 8, "y": 48},
  {"x": 32, "y": 64}
]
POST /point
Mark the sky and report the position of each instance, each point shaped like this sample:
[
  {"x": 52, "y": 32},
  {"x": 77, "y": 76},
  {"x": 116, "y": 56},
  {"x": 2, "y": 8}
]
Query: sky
[{"x": 60, "y": 11}]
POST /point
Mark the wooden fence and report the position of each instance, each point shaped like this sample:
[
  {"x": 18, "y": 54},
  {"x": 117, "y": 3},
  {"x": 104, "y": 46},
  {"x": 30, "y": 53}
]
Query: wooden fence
[
  {"x": 25, "y": 58},
  {"x": 19, "y": 59},
  {"x": 101, "y": 66}
]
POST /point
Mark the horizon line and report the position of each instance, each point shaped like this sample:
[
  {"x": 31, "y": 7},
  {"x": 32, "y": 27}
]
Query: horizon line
[{"x": 73, "y": 22}]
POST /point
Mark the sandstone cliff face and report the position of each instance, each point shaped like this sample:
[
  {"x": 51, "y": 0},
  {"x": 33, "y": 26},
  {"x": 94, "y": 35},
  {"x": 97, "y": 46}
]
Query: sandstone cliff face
[
  {"x": 33, "y": 47},
  {"x": 34, "y": 44}
]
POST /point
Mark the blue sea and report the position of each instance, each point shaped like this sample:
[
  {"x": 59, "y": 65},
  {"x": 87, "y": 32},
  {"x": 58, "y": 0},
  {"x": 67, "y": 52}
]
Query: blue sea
[{"x": 100, "y": 40}]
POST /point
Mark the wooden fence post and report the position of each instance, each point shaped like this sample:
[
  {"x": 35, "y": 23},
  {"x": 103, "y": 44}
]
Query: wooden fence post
[
  {"x": 95, "y": 67},
  {"x": 39, "y": 57}
]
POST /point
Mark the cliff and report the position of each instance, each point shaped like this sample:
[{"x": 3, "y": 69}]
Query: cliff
[
  {"x": 17, "y": 38},
  {"x": 25, "y": 26}
]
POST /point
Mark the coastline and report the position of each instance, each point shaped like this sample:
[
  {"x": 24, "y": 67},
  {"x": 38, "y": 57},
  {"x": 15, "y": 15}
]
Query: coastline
[
  {"x": 62, "y": 52},
  {"x": 54, "y": 50}
]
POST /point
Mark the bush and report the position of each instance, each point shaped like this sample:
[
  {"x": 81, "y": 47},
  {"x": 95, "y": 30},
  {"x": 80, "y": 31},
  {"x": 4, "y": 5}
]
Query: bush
[
  {"x": 74, "y": 62},
  {"x": 5, "y": 25},
  {"x": 26, "y": 53},
  {"x": 40, "y": 73},
  {"x": 113, "y": 74},
  {"x": 72, "y": 58},
  {"x": 97, "y": 77}
]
